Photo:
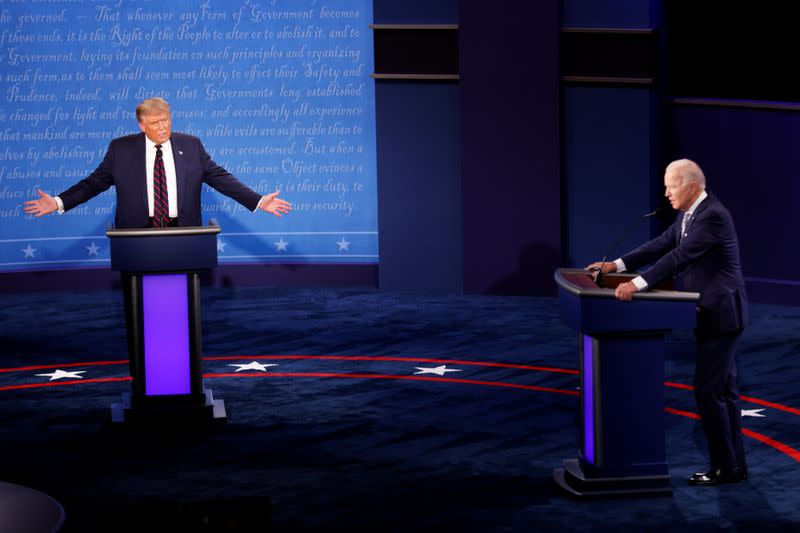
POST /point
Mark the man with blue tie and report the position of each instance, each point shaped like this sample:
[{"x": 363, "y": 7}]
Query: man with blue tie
[
  {"x": 701, "y": 247},
  {"x": 158, "y": 176}
]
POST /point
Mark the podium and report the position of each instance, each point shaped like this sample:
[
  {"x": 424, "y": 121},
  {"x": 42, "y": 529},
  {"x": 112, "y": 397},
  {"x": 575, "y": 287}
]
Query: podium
[
  {"x": 621, "y": 444},
  {"x": 160, "y": 275}
]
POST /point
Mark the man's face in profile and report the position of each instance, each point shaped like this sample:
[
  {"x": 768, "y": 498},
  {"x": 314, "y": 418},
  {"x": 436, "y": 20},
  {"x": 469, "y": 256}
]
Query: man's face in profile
[
  {"x": 157, "y": 126},
  {"x": 681, "y": 195}
]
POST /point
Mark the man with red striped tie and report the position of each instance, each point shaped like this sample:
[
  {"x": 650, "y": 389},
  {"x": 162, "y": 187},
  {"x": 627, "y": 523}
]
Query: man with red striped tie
[{"x": 158, "y": 176}]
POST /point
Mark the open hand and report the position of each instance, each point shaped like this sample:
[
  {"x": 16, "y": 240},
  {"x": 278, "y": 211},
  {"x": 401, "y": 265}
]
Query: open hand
[
  {"x": 272, "y": 204},
  {"x": 45, "y": 205}
]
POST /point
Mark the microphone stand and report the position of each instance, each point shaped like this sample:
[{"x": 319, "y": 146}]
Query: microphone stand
[{"x": 598, "y": 275}]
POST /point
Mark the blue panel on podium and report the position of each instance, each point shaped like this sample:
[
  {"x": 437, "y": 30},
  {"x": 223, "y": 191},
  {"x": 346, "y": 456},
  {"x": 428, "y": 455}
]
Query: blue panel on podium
[
  {"x": 165, "y": 308},
  {"x": 587, "y": 388}
]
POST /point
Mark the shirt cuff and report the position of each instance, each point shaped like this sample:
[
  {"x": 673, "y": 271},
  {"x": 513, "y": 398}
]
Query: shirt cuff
[
  {"x": 620, "y": 265},
  {"x": 60, "y": 205},
  {"x": 640, "y": 283},
  {"x": 258, "y": 204}
]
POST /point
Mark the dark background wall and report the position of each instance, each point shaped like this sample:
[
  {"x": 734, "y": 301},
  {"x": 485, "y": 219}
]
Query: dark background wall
[
  {"x": 418, "y": 140},
  {"x": 611, "y": 118},
  {"x": 510, "y": 146},
  {"x": 419, "y": 208},
  {"x": 415, "y": 11},
  {"x": 468, "y": 170}
]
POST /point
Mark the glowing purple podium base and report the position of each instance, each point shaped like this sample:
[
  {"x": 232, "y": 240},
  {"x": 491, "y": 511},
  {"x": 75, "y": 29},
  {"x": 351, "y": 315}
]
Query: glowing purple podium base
[
  {"x": 160, "y": 273},
  {"x": 622, "y": 450}
]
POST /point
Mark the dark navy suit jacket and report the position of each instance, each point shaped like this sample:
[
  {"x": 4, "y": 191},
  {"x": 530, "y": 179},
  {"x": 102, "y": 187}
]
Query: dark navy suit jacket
[
  {"x": 124, "y": 167},
  {"x": 707, "y": 261}
]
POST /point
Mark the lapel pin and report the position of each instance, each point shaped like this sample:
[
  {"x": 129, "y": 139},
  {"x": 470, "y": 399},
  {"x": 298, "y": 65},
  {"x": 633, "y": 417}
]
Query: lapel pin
[{"x": 180, "y": 152}]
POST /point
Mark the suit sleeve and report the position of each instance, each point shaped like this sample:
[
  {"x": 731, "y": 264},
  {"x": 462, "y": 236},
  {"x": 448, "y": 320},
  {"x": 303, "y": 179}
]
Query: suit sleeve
[
  {"x": 706, "y": 233},
  {"x": 98, "y": 181},
  {"x": 653, "y": 250},
  {"x": 223, "y": 181}
]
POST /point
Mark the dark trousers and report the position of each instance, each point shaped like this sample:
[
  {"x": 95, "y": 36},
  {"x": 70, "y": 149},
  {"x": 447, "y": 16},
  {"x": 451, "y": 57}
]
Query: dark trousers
[{"x": 717, "y": 394}]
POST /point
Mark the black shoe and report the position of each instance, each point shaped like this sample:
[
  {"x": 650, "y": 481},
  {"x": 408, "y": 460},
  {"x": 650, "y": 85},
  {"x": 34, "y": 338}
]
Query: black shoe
[
  {"x": 718, "y": 476},
  {"x": 741, "y": 470}
]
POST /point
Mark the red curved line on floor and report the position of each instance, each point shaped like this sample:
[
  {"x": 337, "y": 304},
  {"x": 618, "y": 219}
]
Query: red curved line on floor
[
  {"x": 307, "y": 374},
  {"x": 390, "y": 376},
  {"x": 678, "y": 385},
  {"x": 750, "y": 399},
  {"x": 63, "y": 383},
  {"x": 402, "y": 359},
  {"x": 771, "y": 404},
  {"x": 781, "y": 447},
  {"x": 687, "y": 414},
  {"x": 788, "y": 450},
  {"x": 769, "y": 441},
  {"x": 334, "y": 357},
  {"x": 64, "y": 365}
]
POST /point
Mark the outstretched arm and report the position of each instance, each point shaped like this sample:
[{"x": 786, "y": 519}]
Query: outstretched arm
[{"x": 44, "y": 205}]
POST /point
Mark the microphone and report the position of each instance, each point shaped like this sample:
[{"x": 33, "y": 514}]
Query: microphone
[{"x": 598, "y": 275}]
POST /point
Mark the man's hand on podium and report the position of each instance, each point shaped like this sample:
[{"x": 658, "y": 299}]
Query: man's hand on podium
[
  {"x": 625, "y": 291},
  {"x": 607, "y": 266}
]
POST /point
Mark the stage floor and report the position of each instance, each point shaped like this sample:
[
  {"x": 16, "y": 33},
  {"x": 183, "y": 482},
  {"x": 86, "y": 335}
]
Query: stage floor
[{"x": 364, "y": 410}]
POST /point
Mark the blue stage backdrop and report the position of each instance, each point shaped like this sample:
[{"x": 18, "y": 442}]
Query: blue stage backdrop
[{"x": 279, "y": 92}]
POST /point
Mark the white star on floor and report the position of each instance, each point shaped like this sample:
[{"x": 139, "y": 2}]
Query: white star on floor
[
  {"x": 253, "y": 366},
  {"x": 343, "y": 245},
  {"x": 281, "y": 245},
  {"x": 92, "y": 249},
  {"x": 438, "y": 370},
  {"x": 221, "y": 246},
  {"x": 753, "y": 412},
  {"x": 60, "y": 374},
  {"x": 29, "y": 251}
]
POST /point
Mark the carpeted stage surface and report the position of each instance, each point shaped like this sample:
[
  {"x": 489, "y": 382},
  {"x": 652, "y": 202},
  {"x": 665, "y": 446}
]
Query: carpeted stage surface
[{"x": 382, "y": 412}]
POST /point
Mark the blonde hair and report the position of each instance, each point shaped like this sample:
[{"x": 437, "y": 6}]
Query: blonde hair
[
  {"x": 689, "y": 171},
  {"x": 151, "y": 105}
]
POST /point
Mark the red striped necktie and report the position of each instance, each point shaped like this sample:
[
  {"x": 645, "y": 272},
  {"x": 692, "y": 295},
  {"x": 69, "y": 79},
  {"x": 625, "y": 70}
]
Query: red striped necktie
[{"x": 160, "y": 199}]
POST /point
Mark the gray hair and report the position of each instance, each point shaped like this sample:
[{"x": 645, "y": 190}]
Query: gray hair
[
  {"x": 689, "y": 171},
  {"x": 151, "y": 105}
]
